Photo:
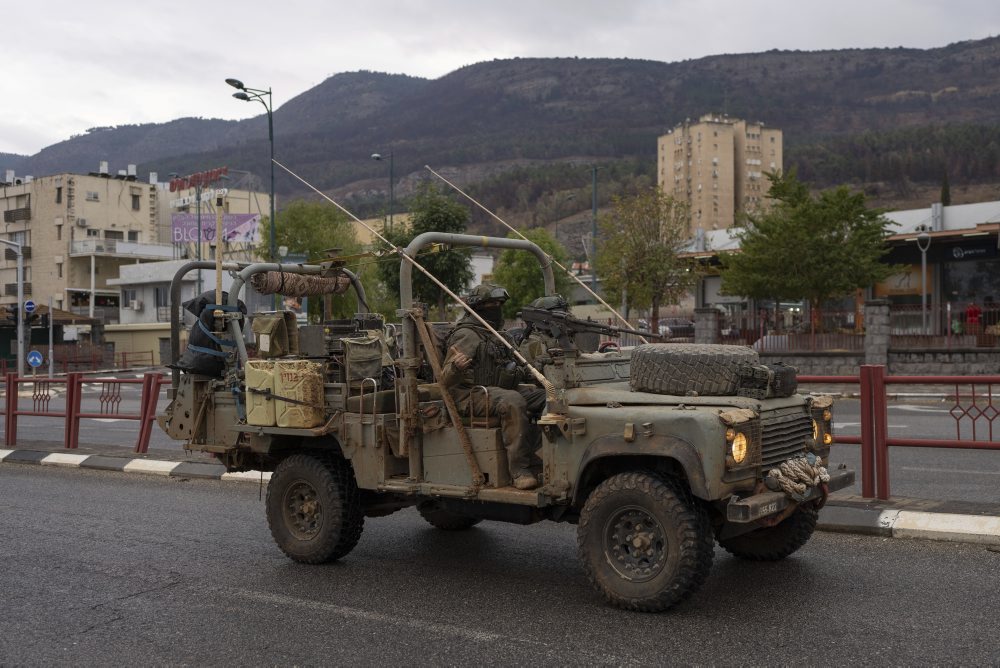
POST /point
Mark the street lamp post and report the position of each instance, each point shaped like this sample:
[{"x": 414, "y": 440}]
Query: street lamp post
[
  {"x": 923, "y": 243},
  {"x": 20, "y": 306},
  {"x": 392, "y": 179},
  {"x": 593, "y": 229},
  {"x": 248, "y": 95}
]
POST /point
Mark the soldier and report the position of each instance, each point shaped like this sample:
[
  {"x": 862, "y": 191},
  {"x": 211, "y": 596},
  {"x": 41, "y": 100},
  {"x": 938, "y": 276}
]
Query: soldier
[
  {"x": 476, "y": 358},
  {"x": 535, "y": 346}
]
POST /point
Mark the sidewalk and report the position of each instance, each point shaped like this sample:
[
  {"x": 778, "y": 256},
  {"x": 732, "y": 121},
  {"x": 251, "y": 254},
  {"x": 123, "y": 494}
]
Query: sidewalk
[{"x": 896, "y": 518}]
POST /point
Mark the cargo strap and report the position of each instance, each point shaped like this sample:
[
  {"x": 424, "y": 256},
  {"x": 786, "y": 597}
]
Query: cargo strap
[
  {"x": 268, "y": 394},
  {"x": 224, "y": 343}
]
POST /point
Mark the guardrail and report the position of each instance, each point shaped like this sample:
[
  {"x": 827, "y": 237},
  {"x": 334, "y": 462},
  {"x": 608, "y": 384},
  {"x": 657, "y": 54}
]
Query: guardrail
[
  {"x": 109, "y": 404},
  {"x": 973, "y": 410}
]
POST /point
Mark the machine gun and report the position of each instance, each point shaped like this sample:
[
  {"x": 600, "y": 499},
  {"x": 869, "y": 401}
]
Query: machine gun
[{"x": 564, "y": 328}]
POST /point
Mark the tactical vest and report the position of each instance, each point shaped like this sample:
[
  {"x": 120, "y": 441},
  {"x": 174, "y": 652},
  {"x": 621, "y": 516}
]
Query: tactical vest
[{"x": 489, "y": 360}]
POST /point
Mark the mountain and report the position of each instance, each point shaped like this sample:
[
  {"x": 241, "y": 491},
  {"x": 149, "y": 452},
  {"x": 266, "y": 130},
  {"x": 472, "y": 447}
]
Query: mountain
[{"x": 855, "y": 115}]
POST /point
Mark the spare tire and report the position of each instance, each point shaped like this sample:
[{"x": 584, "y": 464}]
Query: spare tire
[{"x": 688, "y": 369}]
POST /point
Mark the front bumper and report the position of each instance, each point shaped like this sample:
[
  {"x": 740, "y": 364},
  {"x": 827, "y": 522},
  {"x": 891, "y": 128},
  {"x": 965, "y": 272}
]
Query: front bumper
[{"x": 753, "y": 508}]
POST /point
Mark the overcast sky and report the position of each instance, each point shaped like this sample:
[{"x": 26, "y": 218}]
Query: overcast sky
[{"x": 70, "y": 65}]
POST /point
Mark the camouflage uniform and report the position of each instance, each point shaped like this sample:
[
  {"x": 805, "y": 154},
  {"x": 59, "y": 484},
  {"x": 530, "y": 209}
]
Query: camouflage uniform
[{"x": 494, "y": 367}]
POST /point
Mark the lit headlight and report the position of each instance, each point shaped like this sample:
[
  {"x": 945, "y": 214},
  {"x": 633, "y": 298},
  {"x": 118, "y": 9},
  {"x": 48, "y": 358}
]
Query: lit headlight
[
  {"x": 739, "y": 447},
  {"x": 815, "y": 430}
]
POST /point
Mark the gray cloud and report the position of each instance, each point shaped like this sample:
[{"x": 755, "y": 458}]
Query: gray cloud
[{"x": 75, "y": 67}]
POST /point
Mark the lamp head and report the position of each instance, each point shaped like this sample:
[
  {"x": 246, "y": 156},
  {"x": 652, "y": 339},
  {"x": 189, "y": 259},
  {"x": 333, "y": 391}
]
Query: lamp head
[
  {"x": 242, "y": 96},
  {"x": 376, "y": 156},
  {"x": 235, "y": 83}
]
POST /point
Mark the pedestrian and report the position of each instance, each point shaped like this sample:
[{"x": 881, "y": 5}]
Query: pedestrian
[{"x": 972, "y": 316}]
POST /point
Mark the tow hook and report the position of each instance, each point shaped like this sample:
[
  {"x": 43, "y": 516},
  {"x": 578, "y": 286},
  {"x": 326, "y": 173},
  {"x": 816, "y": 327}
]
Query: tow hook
[{"x": 821, "y": 501}]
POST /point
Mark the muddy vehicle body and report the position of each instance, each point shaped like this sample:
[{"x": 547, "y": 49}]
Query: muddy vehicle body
[{"x": 650, "y": 451}]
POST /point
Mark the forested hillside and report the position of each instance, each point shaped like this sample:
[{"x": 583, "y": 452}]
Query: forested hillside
[{"x": 525, "y": 130}]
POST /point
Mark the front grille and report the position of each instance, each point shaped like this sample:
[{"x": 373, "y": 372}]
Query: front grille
[{"x": 785, "y": 433}]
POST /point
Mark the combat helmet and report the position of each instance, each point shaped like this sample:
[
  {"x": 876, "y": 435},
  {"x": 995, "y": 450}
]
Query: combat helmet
[{"x": 486, "y": 293}]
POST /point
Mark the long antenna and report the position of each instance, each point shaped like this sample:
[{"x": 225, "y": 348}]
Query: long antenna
[
  {"x": 551, "y": 259},
  {"x": 550, "y": 391}
]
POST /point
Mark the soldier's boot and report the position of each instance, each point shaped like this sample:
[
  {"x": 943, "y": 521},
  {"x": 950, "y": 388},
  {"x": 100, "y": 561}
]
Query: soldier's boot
[{"x": 525, "y": 480}]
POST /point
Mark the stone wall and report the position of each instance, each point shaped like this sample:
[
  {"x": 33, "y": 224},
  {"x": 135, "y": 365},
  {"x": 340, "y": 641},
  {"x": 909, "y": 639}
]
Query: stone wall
[
  {"x": 818, "y": 364},
  {"x": 943, "y": 362}
]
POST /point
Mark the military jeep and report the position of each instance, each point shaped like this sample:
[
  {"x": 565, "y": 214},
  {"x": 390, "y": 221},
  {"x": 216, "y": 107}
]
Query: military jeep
[{"x": 652, "y": 452}]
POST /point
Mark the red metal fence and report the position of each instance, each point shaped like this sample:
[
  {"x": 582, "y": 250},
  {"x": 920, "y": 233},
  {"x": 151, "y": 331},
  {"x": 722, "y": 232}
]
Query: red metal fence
[
  {"x": 976, "y": 416},
  {"x": 109, "y": 404}
]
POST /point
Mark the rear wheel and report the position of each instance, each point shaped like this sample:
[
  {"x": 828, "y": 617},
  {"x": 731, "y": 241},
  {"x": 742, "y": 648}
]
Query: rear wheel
[
  {"x": 777, "y": 542},
  {"x": 644, "y": 541},
  {"x": 438, "y": 516},
  {"x": 314, "y": 508}
]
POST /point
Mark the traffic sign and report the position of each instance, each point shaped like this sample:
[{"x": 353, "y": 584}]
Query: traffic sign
[
  {"x": 35, "y": 359},
  {"x": 29, "y": 306}
]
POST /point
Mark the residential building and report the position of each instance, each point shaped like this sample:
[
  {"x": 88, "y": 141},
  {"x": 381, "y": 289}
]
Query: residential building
[
  {"x": 717, "y": 167},
  {"x": 75, "y": 231}
]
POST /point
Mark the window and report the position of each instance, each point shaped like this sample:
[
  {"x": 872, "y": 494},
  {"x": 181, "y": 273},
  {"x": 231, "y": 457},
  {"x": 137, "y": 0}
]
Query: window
[
  {"x": 128, "y": 296},
  {"x": 161, "y": 295},
  {"x": 58, "y": 232},
  {"x": 92, "y": 196},
  {"x": 135, "y": 202},
  {"x": 59, "y": 266},
  {"x": 93, "y": 233},
  {"x": 133, "y": 235},
  {"x": 58, "y": 194},
  {"x": 114, "y": 234}
]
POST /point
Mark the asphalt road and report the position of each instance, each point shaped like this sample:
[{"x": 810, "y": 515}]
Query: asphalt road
[{"x": 111, "y": 568}]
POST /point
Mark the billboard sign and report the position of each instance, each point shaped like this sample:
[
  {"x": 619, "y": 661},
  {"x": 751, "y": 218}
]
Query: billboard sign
[{"x": 237, "y": 228}]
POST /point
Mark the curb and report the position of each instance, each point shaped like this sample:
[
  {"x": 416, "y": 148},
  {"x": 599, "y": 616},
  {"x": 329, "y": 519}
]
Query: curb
[
  {"x": 895, "y": 523},
  {"x": 130, "y": 465},
  {"x": 846, "y": 517}
]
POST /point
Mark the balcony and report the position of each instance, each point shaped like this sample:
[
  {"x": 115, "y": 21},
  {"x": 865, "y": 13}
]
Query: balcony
[
  {"x": 10, "y": 289},
  {"x": 119, "y": 248},
  {"x": 14, "y": 215}
]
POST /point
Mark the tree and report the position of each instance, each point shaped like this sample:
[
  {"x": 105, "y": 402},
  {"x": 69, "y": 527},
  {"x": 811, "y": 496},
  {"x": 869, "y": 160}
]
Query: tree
[
  {"x": 519, "y": 273},
  {"x": 808, "y": 247},
  {"x": 638, "y": 254},
  {"x": 432, "y": 211}
]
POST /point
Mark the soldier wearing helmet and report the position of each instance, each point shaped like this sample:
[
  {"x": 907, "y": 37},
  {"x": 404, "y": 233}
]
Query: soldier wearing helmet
[{"x": 476, "y": 358}]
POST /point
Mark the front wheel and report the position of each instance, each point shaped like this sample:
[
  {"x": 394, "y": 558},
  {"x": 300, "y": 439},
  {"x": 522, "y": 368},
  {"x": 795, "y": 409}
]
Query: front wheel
[
  {"x": 314, "y": 508},
  {"x": 777, "y": 542},
  {"x": 644, "y": 541}
]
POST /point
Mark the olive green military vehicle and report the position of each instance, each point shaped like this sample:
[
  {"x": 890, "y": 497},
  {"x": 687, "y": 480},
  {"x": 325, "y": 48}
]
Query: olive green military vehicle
[{"x": 652, "y": 452}]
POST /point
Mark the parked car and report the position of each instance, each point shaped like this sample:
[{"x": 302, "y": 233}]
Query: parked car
[{"x": 677, "y": 327}]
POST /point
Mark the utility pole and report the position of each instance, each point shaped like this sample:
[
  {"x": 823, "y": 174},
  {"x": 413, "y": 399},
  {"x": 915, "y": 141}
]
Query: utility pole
[{"x": 593, "y": 229}]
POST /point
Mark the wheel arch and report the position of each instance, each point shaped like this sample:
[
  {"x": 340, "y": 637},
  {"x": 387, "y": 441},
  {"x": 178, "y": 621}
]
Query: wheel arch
[{"x": 611, "y": 455}]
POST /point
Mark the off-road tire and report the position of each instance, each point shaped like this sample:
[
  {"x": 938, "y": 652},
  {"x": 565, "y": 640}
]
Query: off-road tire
[
  {"x": 686, "y": 369},
  {"x": 777, "y": 542},
  {"x": 314, "y": 508},
  {"x": 442, "y": 518},
  {"x": 636, "y": 507}
]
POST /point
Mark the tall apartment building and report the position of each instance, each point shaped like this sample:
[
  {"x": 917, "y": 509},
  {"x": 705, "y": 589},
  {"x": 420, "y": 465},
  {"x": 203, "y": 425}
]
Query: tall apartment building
[{"x": 716, "y": 166}]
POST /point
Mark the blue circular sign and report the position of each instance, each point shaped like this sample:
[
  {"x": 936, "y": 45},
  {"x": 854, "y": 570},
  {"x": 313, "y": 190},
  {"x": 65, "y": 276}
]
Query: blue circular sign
[
  {"x": 29, "y": 306},
  {"x": 35, "y": 359}
]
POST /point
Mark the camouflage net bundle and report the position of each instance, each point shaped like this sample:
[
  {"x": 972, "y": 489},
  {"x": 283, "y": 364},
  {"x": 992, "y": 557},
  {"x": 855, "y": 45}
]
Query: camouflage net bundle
[{"x": 299, "y": 285}]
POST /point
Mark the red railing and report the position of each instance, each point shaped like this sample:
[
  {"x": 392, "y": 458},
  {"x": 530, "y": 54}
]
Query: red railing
[
  {"x": 109, "y": 401},
  {"x": 973, "y": 409}
]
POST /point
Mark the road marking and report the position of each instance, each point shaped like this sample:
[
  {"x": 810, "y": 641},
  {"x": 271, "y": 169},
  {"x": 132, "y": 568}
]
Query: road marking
[
  {"x": 921, "y": 409},
  {"x": 838, "y": 425},
  {"x": 252, "y": 476},
  {"x": 932, "y": 470},
  {"x": 417, "y": 624}
]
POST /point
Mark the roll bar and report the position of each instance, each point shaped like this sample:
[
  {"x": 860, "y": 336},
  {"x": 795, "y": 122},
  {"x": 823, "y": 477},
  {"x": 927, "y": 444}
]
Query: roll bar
[
  {"x": 428, "y": 238},
  {"x": 245, "y": 272}
]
